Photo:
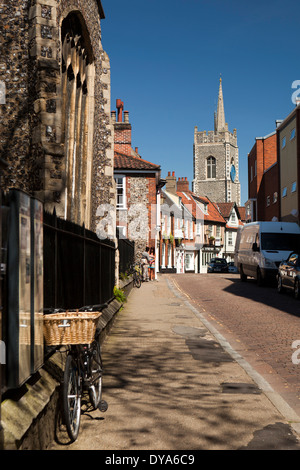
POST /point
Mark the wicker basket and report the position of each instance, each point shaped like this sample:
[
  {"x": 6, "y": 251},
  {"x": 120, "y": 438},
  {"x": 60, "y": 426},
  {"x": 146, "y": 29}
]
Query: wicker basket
[{"x": 70, "y": 328}]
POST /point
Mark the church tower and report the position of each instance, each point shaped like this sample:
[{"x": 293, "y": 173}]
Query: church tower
[{"x": 216, "y": 160}]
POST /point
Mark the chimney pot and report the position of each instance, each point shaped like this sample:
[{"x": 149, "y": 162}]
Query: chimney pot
[
  {"x": 126, "y": 116},
  {"x": 120, "y": 106},
  {"x": 173, "y": 173}
]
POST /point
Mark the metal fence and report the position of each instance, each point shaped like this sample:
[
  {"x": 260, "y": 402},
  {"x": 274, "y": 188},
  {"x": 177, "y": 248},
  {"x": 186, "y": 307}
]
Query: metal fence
[
  {"x": 46, "y": 263},
  {"x": 79, "y": 268},
  {"x": 126, "y": 254}
]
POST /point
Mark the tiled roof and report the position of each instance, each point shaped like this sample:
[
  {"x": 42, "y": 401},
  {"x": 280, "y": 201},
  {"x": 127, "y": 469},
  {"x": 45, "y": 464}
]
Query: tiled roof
[
  {"x": 131, "y": 162},
  {"x": 225, "y": 208},
  {"x": 242, "y": 211},
  {"x": 212, "y": 214}
]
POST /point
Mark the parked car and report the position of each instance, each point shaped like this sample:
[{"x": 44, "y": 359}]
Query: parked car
[
  {"x": 288, "y": 276},
  {"x": 261, "y": 246},
  {"x": 232, "y": 268},
  {"x": 217, "y": 265}
]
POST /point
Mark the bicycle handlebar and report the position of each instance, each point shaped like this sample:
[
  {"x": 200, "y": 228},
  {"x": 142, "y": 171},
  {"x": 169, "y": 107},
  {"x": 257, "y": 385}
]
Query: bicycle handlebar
[{"x": 87, "y": 308}]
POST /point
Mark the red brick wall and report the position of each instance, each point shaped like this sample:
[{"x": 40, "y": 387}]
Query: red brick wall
[
  {"x": 122, "y": 138},
  {"x": 270, "y": 151},
  {"x": 264, "y": 152},
  {"x": 269, "y": 186}
]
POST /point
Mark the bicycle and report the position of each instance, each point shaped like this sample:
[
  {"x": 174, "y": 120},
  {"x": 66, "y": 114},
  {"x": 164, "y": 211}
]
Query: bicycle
[
  {"x": 82, "y": 372},
  {"x": 136, "y": 272}
]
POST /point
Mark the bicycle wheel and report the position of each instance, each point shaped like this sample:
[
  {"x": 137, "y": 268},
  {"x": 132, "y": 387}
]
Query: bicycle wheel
[
  {"x": 95, "y": 389},
  {"x": 136, "y": 280},
  {"x": 72, "y": 397}
]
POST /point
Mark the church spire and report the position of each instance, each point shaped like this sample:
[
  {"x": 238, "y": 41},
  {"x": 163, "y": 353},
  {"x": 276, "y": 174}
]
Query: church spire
[{"x": 220, "y": 118}]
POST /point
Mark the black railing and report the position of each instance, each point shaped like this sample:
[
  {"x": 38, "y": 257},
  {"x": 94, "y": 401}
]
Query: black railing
[
  {"x": 126, "y": 254},
  {"x": 79, "y": 268}
]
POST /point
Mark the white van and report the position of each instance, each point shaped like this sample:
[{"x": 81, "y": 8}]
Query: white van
[{"x": 261, "y": 246}]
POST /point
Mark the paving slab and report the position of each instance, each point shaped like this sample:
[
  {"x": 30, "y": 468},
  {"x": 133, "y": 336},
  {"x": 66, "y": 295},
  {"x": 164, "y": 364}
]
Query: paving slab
[{"x": 172, "y": 382}]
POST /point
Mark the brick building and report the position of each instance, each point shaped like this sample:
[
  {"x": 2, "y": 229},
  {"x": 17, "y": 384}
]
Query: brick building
[
  {"x": 216, "y": 160},
  {"x": 288, "y": 151},
  {"x": 138, "y": 184},
  {"x": 263, "y": 180},
  {"x": 55, "y": 129}
]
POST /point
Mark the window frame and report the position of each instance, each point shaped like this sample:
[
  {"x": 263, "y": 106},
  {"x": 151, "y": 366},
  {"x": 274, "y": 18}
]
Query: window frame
[
  {"x": 123, "y": 187},
  {"x": 211, "y": 168}
]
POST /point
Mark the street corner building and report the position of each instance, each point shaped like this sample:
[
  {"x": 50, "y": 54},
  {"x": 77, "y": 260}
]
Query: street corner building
[{"x": 55, "y": 129}]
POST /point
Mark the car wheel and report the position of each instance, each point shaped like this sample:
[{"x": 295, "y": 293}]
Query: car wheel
[
  {"x": 242, "y": 274},
  {"x": 297, "y": 289},
  {"x": 259, "y": 278},
  {"x": 279, "y": 285}
]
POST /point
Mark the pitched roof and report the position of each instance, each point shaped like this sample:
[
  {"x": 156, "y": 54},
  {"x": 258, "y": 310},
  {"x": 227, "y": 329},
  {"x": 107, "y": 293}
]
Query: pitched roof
[
  {"x": 132, "y": 162},
  {"x": 225, "y": 208},
  {"x": 242, "y": 211},
  {"x": 211, "y": 215}
]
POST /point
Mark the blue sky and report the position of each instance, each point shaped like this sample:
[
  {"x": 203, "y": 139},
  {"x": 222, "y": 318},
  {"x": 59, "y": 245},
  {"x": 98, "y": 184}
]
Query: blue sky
[{"x": 166, "y": 57}]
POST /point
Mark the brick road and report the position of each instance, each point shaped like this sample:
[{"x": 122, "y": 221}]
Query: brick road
[{"x": 258, "y": 322}]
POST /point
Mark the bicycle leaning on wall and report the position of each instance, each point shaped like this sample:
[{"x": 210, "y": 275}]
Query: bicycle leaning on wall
[
  {"x": 136, "y": 271},
  {"x": 83, "y": 367}
]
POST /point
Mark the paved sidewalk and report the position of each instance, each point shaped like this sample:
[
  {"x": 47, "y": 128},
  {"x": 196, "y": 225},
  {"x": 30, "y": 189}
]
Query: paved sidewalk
[{"x": 173, "y": 383}]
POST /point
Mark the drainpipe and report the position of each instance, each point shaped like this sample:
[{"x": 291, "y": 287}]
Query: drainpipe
[
  {"x": 3, "y": 165},
  {"x": 161, "y": 183}
]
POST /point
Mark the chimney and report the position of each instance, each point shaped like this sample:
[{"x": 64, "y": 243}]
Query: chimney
[
  {"x": 122, "y": 130},
  {"x": 171, "y": 183},
  {"x": 120, "y": 106},
  {"x": 183, "y": 184}
]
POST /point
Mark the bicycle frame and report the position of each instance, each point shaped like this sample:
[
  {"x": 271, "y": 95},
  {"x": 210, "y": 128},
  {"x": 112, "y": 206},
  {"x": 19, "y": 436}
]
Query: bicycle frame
[{"x": 83, "y": 353}]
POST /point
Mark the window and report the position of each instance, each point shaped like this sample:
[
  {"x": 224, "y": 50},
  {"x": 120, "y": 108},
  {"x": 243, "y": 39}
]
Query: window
[
  {"x": 211, "y": 167},
  {"x": 268, "y": 201},
  {"x": 284, "y": 192},
  {"x": 121, "y": 193},
  {"x": 218, "y": 231},
  {"x": 275, "y": 197},
  {"x": 122, "y": 231},
  {"x": 283, "y": 142},
  {"x": 77, "y": 67},
  {"x": 294, "y": 187},
  {"x": 293, "y": 133},
  {"x": 233, "y": 218},
  {"x": 229, "y": 239}
]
